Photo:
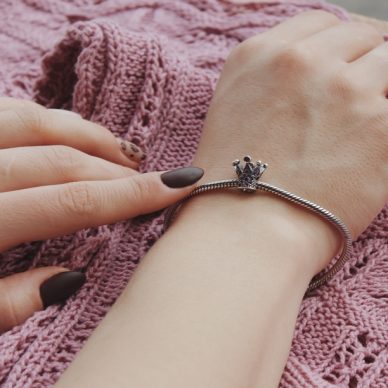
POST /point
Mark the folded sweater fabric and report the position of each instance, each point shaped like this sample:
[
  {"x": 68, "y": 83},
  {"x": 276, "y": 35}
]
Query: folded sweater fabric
[{"x": 146, "y": 69}]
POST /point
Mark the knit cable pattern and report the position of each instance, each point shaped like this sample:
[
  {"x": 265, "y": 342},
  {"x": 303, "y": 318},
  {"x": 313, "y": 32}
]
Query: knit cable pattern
[{"x": 146, "y": 69}]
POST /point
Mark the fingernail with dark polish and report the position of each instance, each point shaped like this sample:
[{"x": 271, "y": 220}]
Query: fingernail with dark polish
[
  {"x": 182, "y": 177},
  {"x": 60, "y": 286}
]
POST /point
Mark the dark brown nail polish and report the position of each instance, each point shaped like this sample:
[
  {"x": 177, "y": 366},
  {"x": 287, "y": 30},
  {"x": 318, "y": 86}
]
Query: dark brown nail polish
[
  {"x": 182, "y": 177},
  {"x": 60, "y": 286}
]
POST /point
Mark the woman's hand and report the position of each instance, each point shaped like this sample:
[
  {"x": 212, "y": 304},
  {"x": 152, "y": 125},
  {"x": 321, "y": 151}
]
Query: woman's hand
[
  {"x": 220, "y": 292},
  {"x": 308, "y": 97},
  {"x": 59, "y": 174}
]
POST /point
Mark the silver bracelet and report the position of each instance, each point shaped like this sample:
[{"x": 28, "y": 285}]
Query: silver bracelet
[{"x": 247, "y": 181}]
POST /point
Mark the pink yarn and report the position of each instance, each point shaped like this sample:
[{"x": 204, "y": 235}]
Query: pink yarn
[{"x": 146, "y": 69}]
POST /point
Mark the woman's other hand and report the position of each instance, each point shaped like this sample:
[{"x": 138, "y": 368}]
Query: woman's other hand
[
  {"x": 58, "y": 174},
  {"x": 308, "y": 97}
]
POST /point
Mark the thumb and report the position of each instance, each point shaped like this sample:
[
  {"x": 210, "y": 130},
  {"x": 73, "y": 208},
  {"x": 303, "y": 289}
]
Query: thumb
[{"x": 24, "y": 293}]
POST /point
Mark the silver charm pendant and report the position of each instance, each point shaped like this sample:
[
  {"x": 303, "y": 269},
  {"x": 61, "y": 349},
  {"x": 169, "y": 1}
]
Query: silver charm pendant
[
  {"x": 249, "y": 175},
  {"x": 248, "y": 181}
]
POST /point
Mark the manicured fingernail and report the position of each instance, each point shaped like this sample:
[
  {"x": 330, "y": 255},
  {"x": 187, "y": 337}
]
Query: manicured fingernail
[
  {"x": 131, "y": 151},
  {"x": 182, "y": 177},
  {"x": 66, "y": 112},
  {"x": 60, "y": 286}
]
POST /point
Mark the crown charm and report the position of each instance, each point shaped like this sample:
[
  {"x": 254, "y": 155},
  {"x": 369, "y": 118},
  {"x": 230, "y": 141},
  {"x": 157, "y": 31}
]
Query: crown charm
[{"x": 250, "y": 174}]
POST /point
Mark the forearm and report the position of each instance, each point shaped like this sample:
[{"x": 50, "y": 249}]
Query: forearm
[{"x": 213, "y": 304}]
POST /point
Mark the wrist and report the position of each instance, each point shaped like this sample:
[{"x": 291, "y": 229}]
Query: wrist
[{"x": 311, "y": 239}]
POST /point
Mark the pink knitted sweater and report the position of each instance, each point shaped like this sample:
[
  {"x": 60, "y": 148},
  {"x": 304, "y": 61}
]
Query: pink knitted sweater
[{"x": 146, "y": 69}]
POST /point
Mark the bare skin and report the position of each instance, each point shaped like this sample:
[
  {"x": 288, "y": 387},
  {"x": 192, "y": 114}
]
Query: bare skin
[
  {"x": 58, "y": 174},
  {"x": 214, "y": 303},
  {"x": 219, "y": 296}
]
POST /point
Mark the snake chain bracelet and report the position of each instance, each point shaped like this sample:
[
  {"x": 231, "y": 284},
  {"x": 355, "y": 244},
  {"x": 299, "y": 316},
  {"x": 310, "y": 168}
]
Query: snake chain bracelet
[{"x": 248, "y": 181}]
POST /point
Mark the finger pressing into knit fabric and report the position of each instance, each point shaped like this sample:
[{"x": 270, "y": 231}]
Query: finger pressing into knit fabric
[
  {"x": 23, "y": 294},
  {"x": 24, "y": 123},
  {"x": 48, "y": 211}
]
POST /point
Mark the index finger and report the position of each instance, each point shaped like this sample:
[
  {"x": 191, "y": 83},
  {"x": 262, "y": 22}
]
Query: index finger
[{"x": 47, "y": 211}]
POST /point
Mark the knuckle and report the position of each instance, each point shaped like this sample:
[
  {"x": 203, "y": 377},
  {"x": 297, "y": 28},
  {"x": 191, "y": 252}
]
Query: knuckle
[
  {"x": 6, "y": 167},
  {"x": 246, "y": 50},
  {"x": 293, "y": 59},
  {"x": 78, "y": 199},
  {"x": 31, "y": 117},
  {"x": 138, "y": 189},
  {"x": 65, "y": 160}
]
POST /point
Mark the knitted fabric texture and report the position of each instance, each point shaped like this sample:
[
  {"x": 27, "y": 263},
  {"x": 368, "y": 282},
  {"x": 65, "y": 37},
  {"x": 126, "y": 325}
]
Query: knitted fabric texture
[{"x": 146, "y": 69}]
